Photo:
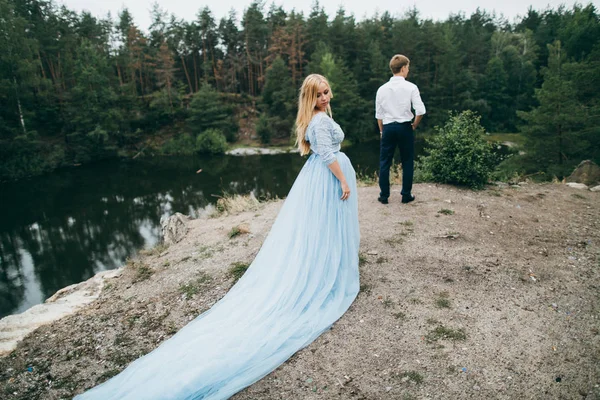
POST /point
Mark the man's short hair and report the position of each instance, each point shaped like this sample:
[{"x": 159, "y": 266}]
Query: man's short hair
[{"x": 397, "y": 62}]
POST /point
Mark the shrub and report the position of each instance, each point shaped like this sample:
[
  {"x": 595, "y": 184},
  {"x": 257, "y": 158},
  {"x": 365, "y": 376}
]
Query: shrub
[
  {"x": 264, "y": 130},
  {"x": 211, "y": 141},
  {"x": 182, "y": 144},
  {"x": 459, "y": 154}
]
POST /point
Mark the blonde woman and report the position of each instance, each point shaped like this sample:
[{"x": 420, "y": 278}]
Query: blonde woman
[{"x": 302, "y": 280}]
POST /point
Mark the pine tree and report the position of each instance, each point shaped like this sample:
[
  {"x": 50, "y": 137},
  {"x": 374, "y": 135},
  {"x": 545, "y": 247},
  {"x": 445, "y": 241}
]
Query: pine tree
[
  {"x": 553, "y": 128},
  {"x": 208, "y": 111}
]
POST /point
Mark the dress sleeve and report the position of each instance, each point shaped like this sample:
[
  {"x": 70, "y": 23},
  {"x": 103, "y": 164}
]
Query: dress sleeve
[{"x": 323, "y": 141}]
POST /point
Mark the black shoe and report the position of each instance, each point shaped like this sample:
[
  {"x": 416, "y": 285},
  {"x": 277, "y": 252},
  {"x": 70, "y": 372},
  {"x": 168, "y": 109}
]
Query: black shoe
[
  {"x": 382, "y": 200},
  {"x": 408, "y": 199}
]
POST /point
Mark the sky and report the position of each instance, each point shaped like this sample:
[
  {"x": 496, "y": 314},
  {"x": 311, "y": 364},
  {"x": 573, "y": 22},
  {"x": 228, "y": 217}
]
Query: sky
[{"x": 429, "y": 9}]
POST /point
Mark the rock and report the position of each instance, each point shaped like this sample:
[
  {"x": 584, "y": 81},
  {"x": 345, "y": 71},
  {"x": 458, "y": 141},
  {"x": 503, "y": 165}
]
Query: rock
[
  {"x": 577, "y": 185},
  {"x": 587, "y": 172},
  {"x": 174, "y": 228},
  {"x": 66, "y": 301},
  {"x": 250, "y": 151},
  {"x": 595, "y": 189}
]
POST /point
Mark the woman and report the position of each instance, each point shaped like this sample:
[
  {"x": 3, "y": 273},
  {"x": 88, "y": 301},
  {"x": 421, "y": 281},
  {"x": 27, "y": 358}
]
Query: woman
[{"x": 303, "y": 279}]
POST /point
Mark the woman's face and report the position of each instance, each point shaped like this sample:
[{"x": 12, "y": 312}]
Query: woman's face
[{"x": 323, "y": 96}]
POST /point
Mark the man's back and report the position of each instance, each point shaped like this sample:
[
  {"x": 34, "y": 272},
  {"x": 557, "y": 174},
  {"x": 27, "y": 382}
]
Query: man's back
[{"x": 394, "y": 100}]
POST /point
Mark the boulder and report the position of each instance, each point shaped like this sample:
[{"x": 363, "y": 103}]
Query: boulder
[
  {"x": 587, "y": 172},
  {"x": 577, "y": 185},
  {"x": 174, "y": 228}
]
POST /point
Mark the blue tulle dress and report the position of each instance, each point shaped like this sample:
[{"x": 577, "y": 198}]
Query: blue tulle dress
[{"x": 303, "y": 279}]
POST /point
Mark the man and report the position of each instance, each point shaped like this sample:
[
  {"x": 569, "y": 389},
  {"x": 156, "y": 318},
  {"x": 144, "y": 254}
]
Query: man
[{"x": 394, "y": 115}]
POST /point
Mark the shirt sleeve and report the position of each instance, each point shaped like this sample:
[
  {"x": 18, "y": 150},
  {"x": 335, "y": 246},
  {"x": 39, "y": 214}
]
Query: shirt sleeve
[
  {"x": 378, "y": 106},
  {"x": 322, "y": 143},
  {"x": 417, "y": 103}
]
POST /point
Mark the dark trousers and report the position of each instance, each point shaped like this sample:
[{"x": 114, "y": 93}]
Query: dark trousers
[{"x": 401, "y": 135}]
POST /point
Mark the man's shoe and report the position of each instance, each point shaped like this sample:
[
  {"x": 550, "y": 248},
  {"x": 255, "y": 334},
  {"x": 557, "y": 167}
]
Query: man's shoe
[
  {"x": 408, "y": 199},
  {"x": 382, "y": 200}
]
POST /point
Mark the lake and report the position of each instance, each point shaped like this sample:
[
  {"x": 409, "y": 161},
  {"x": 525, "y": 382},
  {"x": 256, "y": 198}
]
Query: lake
[{"x": 64, "y": 227}]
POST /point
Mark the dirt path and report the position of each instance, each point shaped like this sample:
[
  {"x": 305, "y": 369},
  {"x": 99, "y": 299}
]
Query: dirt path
[{"x": 465, "y": 295}]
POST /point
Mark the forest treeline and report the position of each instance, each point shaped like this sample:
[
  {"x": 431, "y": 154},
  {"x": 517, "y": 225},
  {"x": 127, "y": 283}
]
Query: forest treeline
[{"x": 75, "y": 88}]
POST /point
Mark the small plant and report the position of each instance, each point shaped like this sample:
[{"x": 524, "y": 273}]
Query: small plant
[
  {"x": 393, "y": 241},
  {"x": 442, "y": 332},
  {"x": 406, "y": 223},
  {"x": 381, "y": 260},
  {"x": 442, "y": 301},
  {"x": 193, "y": 288},
  {"x": 143, "y": 272},
  {"x": 399, "y": 315},
  {"x": 234, "y": 232},
  {"x": 238, "y": 230},
  {"x": 412, "y": 376},
  {"x": 414, "y": 300},
  {"x": 237, "y": 270},
  {"x": 365, "y": 179},
  {"x": 387, "y": 302},
  {"x": 446, "y": 211},
  {"x": 362, "y": 259},
  {"x": 365, "y": 288}
]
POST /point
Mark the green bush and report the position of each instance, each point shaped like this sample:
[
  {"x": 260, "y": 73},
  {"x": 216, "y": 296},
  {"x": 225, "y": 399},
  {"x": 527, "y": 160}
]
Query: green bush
[
  {"x": 23, "y": 157},
  {"x": 264, "y": 130},
  {"x": 182, "y": 144},
  {"x": 211, "y": 141},
  {"x": 459, "y": 154}
]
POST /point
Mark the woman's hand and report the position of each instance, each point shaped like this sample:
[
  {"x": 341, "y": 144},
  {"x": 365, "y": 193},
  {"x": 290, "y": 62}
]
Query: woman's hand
[{"x": 345, "y": 191}]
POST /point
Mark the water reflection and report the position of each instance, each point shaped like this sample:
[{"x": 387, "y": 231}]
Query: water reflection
[{"x": 63, "y": 228}]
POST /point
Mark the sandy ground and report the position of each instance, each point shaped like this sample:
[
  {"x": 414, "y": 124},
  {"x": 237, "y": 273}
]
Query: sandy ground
[{"x": 495, "y": 298}]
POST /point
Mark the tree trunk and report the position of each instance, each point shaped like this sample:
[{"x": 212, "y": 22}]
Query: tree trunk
[
  {"x": 187, "y": 75},
  {"x": 195, "y": 70},
  {"x": 21, "y": 119}
]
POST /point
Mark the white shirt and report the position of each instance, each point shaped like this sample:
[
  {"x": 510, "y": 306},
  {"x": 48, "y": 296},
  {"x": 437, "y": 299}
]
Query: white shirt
[{"x": 394, "y": 100}]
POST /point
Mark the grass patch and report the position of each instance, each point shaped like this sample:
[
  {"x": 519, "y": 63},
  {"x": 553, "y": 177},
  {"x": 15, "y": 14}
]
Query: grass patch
[
  {"x": 193, "y": 288},
  {"x": 362, "y": 259},
  {"x": 412, "y": 376},
  {"x": 143, "y": 272},
  {"x": 399, "y": 315},
  {"x": 365, "y": 288},
  {"x": 393, "y": 241},
  {"x": 364, "y": 179},
  {"x": 442, "y": 332},
  {"x": 238, "y": 230},
  {"x": 446, "y": 211},
  {"x": 406, "y": 223},
  {"x": 237, "y": 270},
  {"x": 235, "y": 231},
  {"x": 235, "y": 204},
  {"x": 156, "y": 250},
  {"x": 443, "y": 301},
  {"x": 387, "y": 302}
]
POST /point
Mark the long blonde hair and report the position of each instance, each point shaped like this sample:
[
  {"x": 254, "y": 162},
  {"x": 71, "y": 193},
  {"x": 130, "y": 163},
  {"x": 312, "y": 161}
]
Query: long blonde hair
[{"x": 307, "y": 101}]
